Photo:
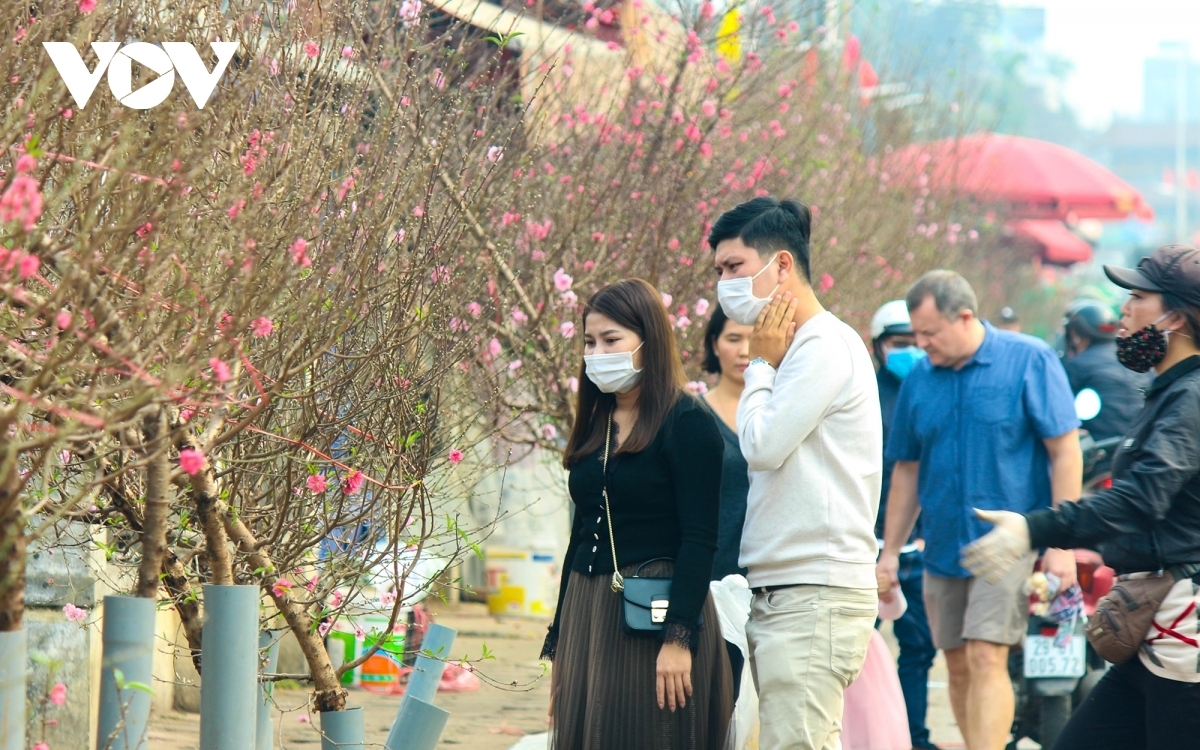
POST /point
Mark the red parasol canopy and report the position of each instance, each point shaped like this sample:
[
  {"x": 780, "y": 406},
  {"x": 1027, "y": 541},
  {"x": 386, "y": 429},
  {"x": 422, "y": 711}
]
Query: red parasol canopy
[
  {"x": 1036, "y": 179},
  {"x": 1056, "y": 244}
]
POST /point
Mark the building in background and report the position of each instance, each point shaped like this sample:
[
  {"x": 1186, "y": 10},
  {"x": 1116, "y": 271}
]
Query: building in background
[{"x": 1147, "y": 152}]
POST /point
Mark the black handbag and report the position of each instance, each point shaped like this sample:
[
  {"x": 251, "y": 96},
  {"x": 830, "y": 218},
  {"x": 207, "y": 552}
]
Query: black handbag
[{"x": 645, "y": 599}]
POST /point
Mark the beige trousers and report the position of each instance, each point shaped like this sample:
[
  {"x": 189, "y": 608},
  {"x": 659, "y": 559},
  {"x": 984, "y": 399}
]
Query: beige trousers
[{"x": 807, "y": 644}]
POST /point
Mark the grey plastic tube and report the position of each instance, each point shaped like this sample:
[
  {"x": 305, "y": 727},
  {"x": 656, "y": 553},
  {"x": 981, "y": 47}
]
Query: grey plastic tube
[
  {"x": 268, "y": 641},
  {"x": 13, "y": 659},
  {"x": 427, "y": 672},
  {"x": 128, "y": 646},
  {"x": 342, "y": 730},
  {"x": 418, "y": 726},
  {"x": 229, "y": 660},
  {"x": 419, "y": 723}
]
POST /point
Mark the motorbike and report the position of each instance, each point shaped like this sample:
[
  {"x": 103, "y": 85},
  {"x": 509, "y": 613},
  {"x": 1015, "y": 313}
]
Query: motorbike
[{"x": 1051, "y": 678}]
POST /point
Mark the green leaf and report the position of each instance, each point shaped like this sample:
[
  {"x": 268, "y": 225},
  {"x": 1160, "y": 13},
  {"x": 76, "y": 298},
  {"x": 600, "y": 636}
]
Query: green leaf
[
  {"x": 140, "y": 686},
  {"x": 501, "y": 40},
  {"x": 119, "y": 678}
]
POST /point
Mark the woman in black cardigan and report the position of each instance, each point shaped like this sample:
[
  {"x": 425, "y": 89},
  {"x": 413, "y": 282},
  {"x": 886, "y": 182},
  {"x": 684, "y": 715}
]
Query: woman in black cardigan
[{"x": 609, "y": 690}]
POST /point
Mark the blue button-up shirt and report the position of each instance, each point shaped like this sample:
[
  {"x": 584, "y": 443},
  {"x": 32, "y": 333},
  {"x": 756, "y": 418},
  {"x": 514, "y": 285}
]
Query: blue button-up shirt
[{"x": 978, "y": 434}]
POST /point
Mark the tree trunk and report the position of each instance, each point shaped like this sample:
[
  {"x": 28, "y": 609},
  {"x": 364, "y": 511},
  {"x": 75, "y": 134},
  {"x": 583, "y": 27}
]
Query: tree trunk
[
  {"x": 187, "y": 604},
  {"x": 328, "y": 694},
  {"x": 12, "y": 552},
  {"x": 216, "y": 539},
  {"x": 158, "y": 504}
]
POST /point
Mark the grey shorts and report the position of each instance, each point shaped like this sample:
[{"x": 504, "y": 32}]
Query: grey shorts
[{"x": 971, "y": 609}]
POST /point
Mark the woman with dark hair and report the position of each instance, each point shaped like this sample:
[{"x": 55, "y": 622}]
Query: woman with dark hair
[
  {"x": 727, "y": 353},
  {"x": 645, "y": 476},
  {"x": 1147, "y": 524}
]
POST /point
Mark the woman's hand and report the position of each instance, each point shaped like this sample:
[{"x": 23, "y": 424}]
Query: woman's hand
[
  {"x": 674, "y": 672},
  {"x": 991, "y": 555}
]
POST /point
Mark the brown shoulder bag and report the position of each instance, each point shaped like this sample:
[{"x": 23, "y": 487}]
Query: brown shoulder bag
[{"x": 1124, "y": 616}]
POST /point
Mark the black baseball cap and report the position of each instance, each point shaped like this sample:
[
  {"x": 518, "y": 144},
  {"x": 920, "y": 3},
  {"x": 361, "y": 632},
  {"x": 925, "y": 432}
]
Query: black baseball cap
[{"x": 1172, "y": 269}]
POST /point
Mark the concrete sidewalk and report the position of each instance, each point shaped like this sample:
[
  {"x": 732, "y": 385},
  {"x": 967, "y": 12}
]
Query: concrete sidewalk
[{"x": 508, "y": 709}]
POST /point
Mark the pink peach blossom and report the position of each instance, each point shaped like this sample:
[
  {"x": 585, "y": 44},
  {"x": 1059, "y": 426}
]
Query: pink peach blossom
[
  {"x": 262, "y": 327},
  {"x": 191, "y": 461},
  {"x": 562, "y": 281},
  {"x": 354, "y": 482},
  {"x": 455, "y": 456},
  {"x": 316, "y": 483}
]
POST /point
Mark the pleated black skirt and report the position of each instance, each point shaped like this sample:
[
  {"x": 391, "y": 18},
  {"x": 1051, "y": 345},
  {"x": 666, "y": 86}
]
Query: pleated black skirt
[{"x": 604, "y": 680}]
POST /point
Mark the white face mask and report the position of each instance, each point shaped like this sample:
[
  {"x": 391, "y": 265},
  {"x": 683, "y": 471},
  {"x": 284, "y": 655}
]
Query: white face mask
[
  {"x": 613, "y": 373},
  {"x": 737, "y": 297}
]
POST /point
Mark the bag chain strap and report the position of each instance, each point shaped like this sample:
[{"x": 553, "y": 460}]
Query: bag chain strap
[{"x": 618, "y": 581}]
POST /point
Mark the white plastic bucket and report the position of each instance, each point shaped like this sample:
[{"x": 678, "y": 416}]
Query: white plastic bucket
[{"x": 521, "y": 582}]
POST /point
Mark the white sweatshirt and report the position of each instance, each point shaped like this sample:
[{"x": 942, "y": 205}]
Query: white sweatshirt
[{"x": 813, "y": 438}]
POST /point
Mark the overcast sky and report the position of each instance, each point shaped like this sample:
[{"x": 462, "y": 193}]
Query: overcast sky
[{"x": 1107, "y": 40}]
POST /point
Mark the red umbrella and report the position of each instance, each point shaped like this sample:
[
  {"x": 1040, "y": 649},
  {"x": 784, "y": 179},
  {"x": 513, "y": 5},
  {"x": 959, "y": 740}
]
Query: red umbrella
[
  {"x": 1036, "y": 179},
  {"x": 1054, "y": 242}
]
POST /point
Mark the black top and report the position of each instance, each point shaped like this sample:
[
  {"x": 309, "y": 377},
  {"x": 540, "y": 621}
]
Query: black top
[
  {"x": 665, "y": 502},
  {"x": 1150, "y": 517},
  {"x": 889, "y": 394},
  {"x": 1120, "y": 389},
  {"x": 735, "y": 487}
]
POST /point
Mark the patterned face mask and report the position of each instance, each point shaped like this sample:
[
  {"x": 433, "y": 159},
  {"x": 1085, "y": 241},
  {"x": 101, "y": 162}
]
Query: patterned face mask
[{"x": 1141, "y": 350}]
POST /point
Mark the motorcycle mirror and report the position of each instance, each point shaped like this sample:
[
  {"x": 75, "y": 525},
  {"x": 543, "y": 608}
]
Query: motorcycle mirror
[{"x": 1087, "y": 404}]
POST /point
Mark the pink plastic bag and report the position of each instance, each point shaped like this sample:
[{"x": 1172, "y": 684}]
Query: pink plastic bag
[{"x": 456, "y": 679}]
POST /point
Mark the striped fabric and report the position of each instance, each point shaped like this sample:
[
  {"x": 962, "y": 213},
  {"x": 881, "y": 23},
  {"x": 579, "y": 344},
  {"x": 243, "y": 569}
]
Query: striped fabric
[{"x": 604, "y": 680}]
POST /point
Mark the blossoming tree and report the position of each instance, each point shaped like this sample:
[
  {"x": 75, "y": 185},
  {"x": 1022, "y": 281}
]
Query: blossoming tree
[
  {"x": 230, "y": 334},
  {"x": 628, "y": 184}
]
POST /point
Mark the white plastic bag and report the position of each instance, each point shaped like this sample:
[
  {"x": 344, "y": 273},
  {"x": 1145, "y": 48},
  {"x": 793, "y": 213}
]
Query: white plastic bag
[{"x": 732, "y": 598}]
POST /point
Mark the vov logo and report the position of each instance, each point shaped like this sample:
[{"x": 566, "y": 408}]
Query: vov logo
[{"x": 166, "y": 61}]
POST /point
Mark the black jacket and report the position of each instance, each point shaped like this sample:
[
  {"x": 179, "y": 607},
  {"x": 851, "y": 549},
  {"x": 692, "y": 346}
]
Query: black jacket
[
  {"x": 889, "y": 393},
  {"x": 1150, "y": 518},
  {"x": 665, "y": 503},
  {"x": 1120, "y": 389}
]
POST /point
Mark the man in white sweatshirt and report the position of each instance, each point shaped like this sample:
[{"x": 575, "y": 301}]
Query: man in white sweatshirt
[{"x": 810, "y": 430}]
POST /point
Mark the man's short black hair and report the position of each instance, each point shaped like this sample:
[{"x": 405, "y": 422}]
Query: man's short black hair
[{"x": 768, "y": 225}]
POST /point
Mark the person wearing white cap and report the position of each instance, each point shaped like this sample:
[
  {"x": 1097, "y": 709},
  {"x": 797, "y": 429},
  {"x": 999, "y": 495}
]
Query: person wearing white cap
[{"x": 895, "y": 348}]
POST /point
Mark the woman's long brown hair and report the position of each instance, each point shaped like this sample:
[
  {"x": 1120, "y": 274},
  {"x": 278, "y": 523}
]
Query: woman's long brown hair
[{"x": 636, "y": 305}]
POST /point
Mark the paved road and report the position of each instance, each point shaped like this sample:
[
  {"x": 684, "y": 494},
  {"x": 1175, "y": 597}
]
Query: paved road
[{"x": 492, "y": 718}]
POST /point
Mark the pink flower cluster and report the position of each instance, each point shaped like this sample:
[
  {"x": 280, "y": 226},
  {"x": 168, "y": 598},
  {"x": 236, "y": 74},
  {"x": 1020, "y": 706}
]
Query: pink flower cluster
[
  {"x": 26, "y": 264},
  {"x": 22, "y": 201},
  {"x": 354, "y": 482},
  {"x": 299, "y": 251},
  {"x": 74, "y": 614}
]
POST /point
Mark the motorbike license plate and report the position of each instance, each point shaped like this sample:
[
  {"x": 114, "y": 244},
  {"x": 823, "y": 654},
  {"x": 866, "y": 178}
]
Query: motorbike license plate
[{"x": 1044, "y": 659}]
